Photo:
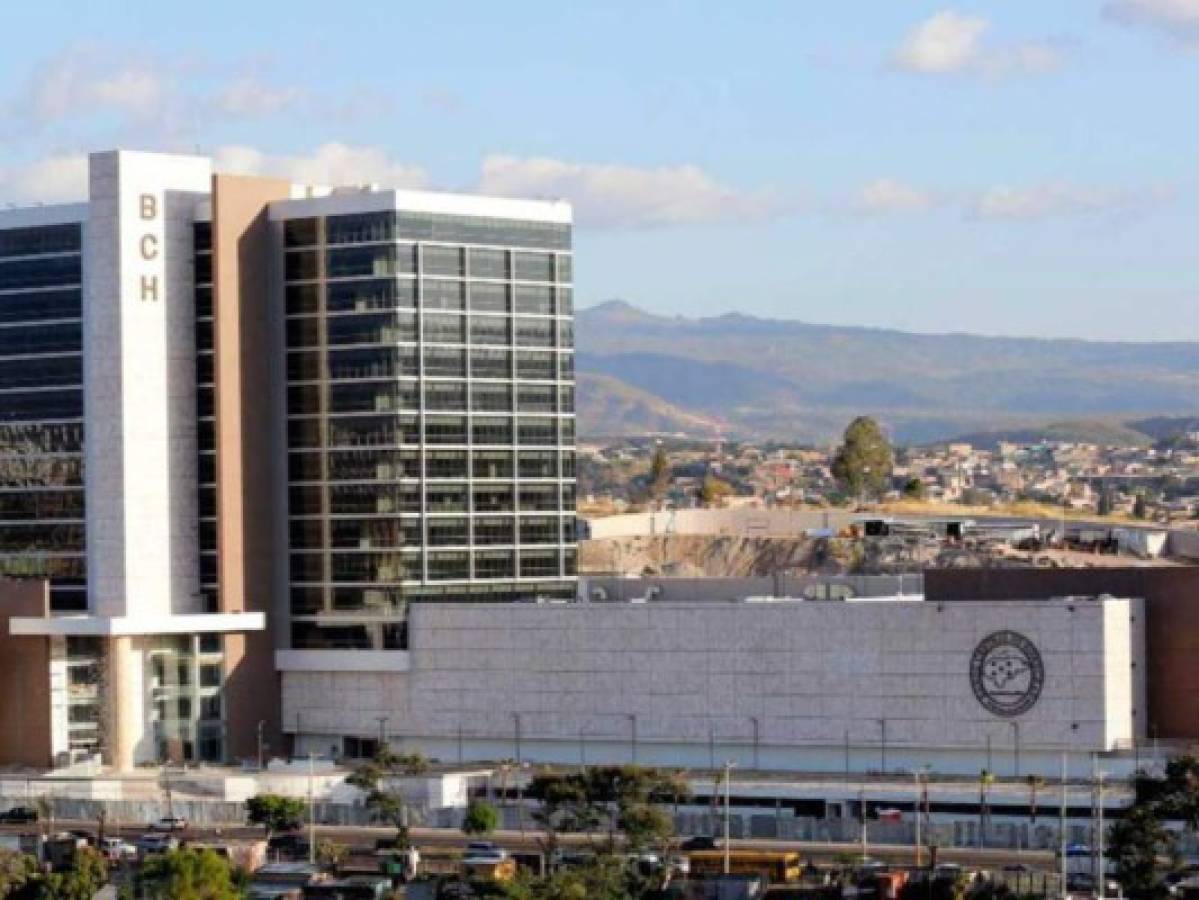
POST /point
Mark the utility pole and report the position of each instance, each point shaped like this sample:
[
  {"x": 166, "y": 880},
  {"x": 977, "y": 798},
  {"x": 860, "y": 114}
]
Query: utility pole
[
  {"x": 1016, "y": 745},
  {"x": 311, "y": 808},
  {"x": 1102, "y": 879},
  {"x": 261, "y": 726},
  {"x": 516, "y": 736},
  {"x": 728, "y": 780},
  {"x": 1062, "y": 828},
  {"x": 754, "y": 721},
  {"x": 882, "y": 724}
]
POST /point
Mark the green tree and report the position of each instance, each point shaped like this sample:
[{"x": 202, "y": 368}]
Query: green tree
[
  {"x": 862, "y": 464},
  {"x": 380, "y": 780},
  {"x": 330, "y": 855},
  {"x": 659, "y": 474},
  {"x": 714, "y": 490},
  {"x": 275, "y": 812},
  {"x": 1135, "y": 843},
  {"x": 604, "y": 878},
  {"x": 481, "y": 818},
  {"x": 86, "y": 874},
  {"x": 913, "y": 489},
  {"x": 185, "y": 875},
  {"x": 16, "y": 870}
]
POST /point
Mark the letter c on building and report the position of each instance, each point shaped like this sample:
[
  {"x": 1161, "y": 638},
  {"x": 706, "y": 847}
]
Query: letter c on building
[{"x": 149, "y": 245}]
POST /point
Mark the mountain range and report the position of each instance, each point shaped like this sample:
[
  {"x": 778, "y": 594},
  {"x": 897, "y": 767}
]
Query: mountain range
[{"x": 741, "y": 376}]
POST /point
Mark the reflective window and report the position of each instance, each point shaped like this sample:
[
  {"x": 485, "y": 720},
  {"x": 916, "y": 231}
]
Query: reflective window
[
  {"x": 534, "y": 299},
  {"x": 48, "y": 272},
  {"x": 534, "y": 266},
  {"x": 389, "y": 259},
  {"x": 299, "y": 232},
  {"x": 363, "y": 296},
  {"x": 439, "y": 294},
  {"x": 491, "y": 298},
  {"x": 443, "y": 261},
  {"x": 495, "y": 530},
  {"x": 64, "y": 238},
  {"x": 495, "y": 564},
  {"x": 490, "y": 330},
  {"x": 488, "y": 263},
  {"x": 487, "y": 363},
  {"x": 360, "y": 228},
  {"x": 492, "y": 463}
]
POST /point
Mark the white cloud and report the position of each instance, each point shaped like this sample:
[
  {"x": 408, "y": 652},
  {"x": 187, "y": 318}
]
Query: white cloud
[
  {"x": 1056, "y": 200},
  {"x": 55, "y": 179},
  {"x": 888, "y": 195},
  {"x": 249, "y": 98},
  {"x": 329, "y": 164},
  {"x": 612, "y": 195},
  {"x": 1178, "y": 19},
  {"x": 82, "y": 82},
  {"x": 951, "y": 42}
]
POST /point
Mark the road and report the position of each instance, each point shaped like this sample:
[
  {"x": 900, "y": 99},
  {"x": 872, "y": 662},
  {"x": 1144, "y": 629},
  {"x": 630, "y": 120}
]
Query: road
[{"x": 361, "y": 840}]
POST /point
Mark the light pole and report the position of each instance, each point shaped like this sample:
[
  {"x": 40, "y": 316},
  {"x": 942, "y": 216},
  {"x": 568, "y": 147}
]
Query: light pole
[
  {"x": 754, "y": 721},
  {"x": 728, "y": 781},
  {"x": 382, "y": 720},
  {"x": 633, "y": 736},
  {"x": 920, "y": 775},
  {"x": 516, "y": 736},
  {"x": 882, "y": 724},
  {"x": 311, "y": 809},
  {"x": 1102, "y": 877},
  {"x": 261, "y": 726},
  {"x": 1016, "y": 745}
]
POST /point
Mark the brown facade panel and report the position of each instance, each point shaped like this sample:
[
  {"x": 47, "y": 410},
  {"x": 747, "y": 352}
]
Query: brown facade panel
[
  {"x": 1171, "y": 597},
  {"x": 25, "y": 676},
  {"x": 242, "y": 259}
]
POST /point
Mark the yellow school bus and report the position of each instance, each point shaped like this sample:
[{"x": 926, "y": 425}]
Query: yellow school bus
[{"x": 776, "y": 866}]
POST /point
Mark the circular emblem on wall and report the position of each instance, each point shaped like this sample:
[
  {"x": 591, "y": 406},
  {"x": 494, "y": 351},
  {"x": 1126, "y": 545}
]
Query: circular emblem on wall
[{"x": 1007, "y": 673}]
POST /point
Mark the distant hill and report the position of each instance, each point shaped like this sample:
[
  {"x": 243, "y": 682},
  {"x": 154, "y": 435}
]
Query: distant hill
[
  {"x": 773, "y": 378},
  {"x": 623, "y": 410}
]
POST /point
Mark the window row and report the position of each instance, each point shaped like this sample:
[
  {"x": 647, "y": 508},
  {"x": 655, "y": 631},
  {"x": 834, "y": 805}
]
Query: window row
[
  {"x": 52, "y": 371},
  {"x": 395, "y": 465},
  {"x": 483, "y": 530},
  {"x": 37, "y": 438},
  {"x": 384, "y": 362},
  {"x": 53, "y": 271},
  {"x": 42, "y": 338},
  {"x": 436, "y": 565},
  {"x": 41, "y": 471},
  {"x": 41, "y": 306},
  {"x": 24, "y": 506},
  {"x": 64, "y": 238},
  {"x": 397, "y": 430},
  {"x": 440, "y": 328},
  {"x": 358, "y": 499},
  {"x": 388, "y": 396},
  {"x": 30, "y": 406},
  {"x": 361, "y": 228},
  {"x": 401, "y": 293}
]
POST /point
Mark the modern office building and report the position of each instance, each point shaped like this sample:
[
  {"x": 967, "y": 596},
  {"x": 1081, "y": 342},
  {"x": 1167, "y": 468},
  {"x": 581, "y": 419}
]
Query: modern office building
[{"x": 244, "y": 424}]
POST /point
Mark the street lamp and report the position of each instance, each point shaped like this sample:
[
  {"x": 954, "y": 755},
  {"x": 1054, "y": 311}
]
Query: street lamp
[
  {"x": 261, "y": 726},
  {"x": 516, "y": 735},
  {"x": 633, "y": 736},
  {"x": 882, "y": 724},
  {"x": 754, "y": 721},
  {"x": 921, "y": 776},
  {"x": 1016, "y": 745},
  {"x": 728, "y": 780}
]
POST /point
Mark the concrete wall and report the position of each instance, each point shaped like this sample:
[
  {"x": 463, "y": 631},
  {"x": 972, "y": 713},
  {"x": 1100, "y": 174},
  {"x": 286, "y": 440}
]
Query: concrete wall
[
  {"x": 689, "y": 590},
  {"x": 139, "y": 384},
  {"x": 676, "y": 683},
  {"x": 1171, "y": 624},
  {"x": 744, "y": 522}
]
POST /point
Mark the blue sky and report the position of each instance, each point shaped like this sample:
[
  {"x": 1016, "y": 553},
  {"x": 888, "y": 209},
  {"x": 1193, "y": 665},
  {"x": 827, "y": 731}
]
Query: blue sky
[{"x": 1009, "y": 167}]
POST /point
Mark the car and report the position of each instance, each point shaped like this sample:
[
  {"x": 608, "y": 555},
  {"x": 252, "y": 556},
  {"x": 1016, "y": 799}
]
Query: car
[
  {"x": 485, "y": 857},
  {"x": 157, "y": 842},
  {"x": 19, "y": 815},
  {"x": 475, "y": 848},
  {"x": 291, "y": 844},
  {"x": 700, "y": 842},
  {"x": 116, "y": 850},
  {"x": 170, "y": 824}
]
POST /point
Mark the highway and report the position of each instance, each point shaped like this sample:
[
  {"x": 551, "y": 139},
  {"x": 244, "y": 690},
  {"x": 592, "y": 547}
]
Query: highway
[{"x": 361, "y": 841}]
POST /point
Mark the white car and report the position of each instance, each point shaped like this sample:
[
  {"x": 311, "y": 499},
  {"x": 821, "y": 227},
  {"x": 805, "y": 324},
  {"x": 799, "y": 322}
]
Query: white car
[
  {"x": 117, "y": 850},
  {"x": 170, "y": 824}
]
